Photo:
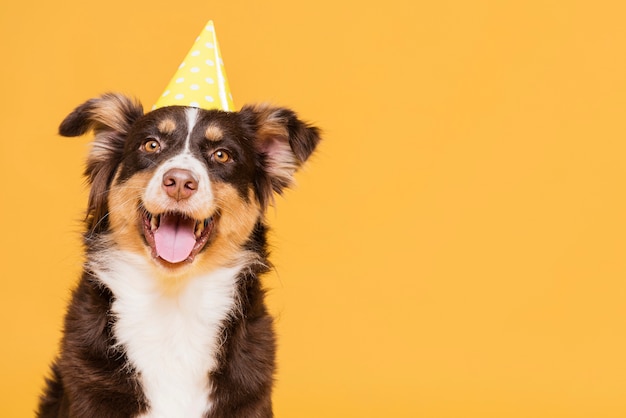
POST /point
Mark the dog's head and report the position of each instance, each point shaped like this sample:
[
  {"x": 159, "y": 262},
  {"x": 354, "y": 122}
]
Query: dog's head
[{"x": 180, "y": 184}]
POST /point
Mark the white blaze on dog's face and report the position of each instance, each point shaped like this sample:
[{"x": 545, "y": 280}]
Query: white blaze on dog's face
[{"x": 182, "y": 186}]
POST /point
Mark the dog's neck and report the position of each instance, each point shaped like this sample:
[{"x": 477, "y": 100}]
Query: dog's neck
[{"x": 171, "y": 339}]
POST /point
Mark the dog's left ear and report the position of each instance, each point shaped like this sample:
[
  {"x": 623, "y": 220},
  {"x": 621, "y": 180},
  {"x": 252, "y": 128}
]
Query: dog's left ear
[
  {"x": 110, "y": 118},
  {"x": 284, "y": 143}
]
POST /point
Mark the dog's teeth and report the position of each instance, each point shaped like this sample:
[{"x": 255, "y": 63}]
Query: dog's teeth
[
  {"x": 154, "y": 223},
  {"x": 199, "y": 228}
]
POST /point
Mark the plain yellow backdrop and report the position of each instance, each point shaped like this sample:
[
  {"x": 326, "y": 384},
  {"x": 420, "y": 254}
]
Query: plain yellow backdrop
[{"x": 457, "y": 248}]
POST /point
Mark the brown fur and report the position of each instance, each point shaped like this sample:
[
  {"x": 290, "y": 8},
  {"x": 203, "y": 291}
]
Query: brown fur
[
  {"x": 213, "y": 133},
  {"x": 167, "y": 126}
]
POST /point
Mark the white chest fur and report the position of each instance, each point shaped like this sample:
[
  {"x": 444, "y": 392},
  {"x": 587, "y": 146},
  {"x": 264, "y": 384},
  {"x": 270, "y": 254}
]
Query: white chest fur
[{"x": 171, "y": 340}]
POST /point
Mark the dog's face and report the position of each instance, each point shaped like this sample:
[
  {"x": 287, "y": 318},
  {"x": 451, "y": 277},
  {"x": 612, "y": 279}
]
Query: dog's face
[{"x": 184, "y": 186}]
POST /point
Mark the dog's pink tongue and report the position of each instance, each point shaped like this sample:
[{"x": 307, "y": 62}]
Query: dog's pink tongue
[{"x": 174, "y": 239}]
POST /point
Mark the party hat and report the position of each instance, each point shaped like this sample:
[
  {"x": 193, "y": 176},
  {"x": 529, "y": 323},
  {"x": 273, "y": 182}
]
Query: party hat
[{"x": 200, "y": 80}]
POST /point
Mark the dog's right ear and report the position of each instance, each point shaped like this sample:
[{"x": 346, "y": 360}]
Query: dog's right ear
[{"x": 110, "y": 117}]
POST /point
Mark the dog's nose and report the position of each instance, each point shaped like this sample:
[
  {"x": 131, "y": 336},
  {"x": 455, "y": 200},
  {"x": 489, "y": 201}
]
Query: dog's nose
[{"x": 179, "y": 183}]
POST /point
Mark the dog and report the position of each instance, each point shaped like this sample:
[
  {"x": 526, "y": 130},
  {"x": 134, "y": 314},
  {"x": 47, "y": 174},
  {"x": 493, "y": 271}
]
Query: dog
[{"x": 168, "y": 318}]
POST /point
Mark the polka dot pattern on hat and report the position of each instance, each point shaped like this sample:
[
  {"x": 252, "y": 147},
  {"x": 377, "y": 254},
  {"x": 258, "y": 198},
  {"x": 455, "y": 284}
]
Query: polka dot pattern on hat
[{"x": 200, "y": 80}]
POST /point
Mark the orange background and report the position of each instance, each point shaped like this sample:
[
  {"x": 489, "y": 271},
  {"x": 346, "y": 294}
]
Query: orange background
[{"x": 457, "y": 248}]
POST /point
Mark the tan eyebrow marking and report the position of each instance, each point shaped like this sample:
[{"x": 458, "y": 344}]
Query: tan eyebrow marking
[
  {"x": 167, "y": 126},
  {"x": 213, "y": 133}
]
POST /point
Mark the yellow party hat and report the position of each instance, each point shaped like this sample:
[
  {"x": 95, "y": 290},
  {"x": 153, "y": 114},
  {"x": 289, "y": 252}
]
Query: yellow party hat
[{"x": 200, "y": 80}]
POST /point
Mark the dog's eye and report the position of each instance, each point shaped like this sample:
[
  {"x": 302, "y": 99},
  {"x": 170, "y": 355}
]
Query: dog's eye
[
  {"x": 151, "y": 146},
  {"x": 221, "y": 156}
]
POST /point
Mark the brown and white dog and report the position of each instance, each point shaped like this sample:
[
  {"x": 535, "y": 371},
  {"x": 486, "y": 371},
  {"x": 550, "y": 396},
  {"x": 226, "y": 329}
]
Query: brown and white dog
[{"x": 169, "y": 319}]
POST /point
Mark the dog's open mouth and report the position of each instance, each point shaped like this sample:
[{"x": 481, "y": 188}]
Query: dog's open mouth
[{"x": 175, "y": 237}]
